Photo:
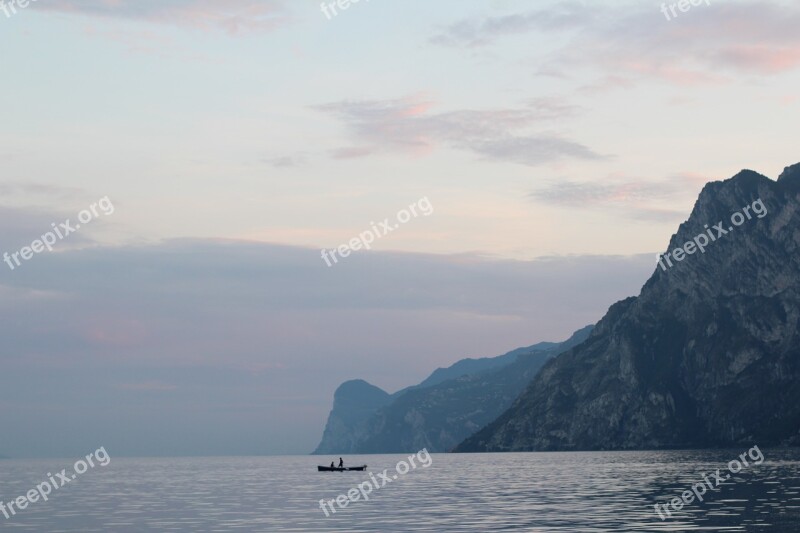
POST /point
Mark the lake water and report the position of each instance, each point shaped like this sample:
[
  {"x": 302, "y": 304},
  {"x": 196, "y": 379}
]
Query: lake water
[{"x": 575, "y": 492}]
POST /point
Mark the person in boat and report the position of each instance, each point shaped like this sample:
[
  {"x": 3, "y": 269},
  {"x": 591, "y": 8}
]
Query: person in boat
[
  {"x": 332, "y": 465},
  {"x": 341, "y": 462}
]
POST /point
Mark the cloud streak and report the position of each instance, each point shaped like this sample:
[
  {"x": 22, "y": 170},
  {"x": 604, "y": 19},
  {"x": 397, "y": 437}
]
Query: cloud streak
[
  {"x": 409, "y": 125},
  {"x": 474, "y": 33},
  {"x": 634, "y": 41},
  {"x": 635, "y": 198},
  {"x": 39, "y": 189},
  {"x": 232, "y": 16}
]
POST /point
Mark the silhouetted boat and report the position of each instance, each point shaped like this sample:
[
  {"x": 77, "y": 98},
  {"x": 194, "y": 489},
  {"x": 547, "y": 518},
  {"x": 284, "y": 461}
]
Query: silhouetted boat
[{"x": 345, "y": 469}]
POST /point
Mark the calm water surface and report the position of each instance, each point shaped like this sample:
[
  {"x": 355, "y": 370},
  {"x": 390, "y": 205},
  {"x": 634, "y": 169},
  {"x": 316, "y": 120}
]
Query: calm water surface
[{"x": 575, "y": 492}]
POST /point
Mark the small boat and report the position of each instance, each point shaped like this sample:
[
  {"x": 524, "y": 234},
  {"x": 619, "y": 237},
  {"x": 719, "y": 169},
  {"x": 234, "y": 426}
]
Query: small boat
[{"x": 345, "y": 469}]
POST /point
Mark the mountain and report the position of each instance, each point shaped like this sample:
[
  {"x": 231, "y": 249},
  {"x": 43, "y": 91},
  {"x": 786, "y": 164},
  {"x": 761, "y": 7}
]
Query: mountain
[
  {"x": 356, "y": 401},
  {"x": 439, "y": 412},
  {"x": 353, "y": 403},
  {"x": 475, "y": 366},
  {"x": 707, "y": 355}
]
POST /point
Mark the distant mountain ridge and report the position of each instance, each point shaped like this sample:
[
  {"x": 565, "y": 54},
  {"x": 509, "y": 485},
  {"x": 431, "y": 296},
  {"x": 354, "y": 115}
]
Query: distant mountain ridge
[
  {"x": 707, "y": 355},
  {"x": 438, "y": 413},
  {"x": 471, "y": 366}
]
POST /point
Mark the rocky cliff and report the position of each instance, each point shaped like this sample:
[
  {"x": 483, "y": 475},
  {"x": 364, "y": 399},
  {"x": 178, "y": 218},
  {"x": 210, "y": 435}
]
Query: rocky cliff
[
  {"x": 708, "y": 354},
  {"x": 438, "y": 413},
  {"x": 353, "y": 403}
]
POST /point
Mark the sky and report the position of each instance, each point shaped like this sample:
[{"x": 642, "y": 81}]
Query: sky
[{"x": 530, "y": 158}]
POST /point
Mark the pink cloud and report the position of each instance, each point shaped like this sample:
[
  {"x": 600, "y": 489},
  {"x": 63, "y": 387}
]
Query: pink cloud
[
  {"x": 410, "y": 125},
  {"x": 711, "y": 44},
  {"x": 766, "y": 59},
  {"x": 232, "y": 16},
  {"x": 115, "y": 332}
]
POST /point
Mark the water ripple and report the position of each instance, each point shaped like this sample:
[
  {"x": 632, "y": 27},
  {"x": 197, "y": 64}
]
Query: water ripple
[{"x": 532, "y": 492}]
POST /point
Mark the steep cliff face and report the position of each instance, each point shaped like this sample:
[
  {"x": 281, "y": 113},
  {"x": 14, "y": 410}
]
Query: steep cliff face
[
  {"x": 438, "y": 413},
  {"x": 353, "y": 403},
  {"x": 707, "y": 355}
]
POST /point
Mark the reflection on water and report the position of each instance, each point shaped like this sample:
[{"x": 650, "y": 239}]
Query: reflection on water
[{"x": 575, "y": 492}]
